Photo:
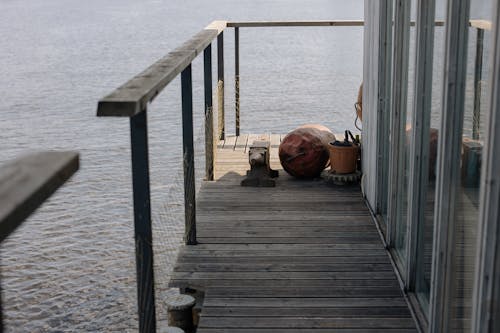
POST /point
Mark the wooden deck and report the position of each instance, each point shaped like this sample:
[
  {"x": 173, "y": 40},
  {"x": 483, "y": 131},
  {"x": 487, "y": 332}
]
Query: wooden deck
[{"x": 300, "y": 257}]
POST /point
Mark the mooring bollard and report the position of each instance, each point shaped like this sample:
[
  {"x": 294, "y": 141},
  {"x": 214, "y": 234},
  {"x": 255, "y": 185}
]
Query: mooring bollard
[{"x": 180, "y": 311}]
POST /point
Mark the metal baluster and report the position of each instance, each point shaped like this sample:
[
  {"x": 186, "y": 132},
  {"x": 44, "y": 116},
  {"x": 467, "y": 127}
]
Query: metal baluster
[
  {"x": 237, "y": 78},
  {"x": 209, "y": 114},
  {"x": 142, "y": 222},
  {"x": 220, "y": 84},
  {"x": 188, "y": 159}
]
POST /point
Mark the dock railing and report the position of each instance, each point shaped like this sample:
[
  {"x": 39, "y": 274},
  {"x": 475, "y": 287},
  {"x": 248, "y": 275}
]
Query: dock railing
[
  {"x": 131, "y": 100},
  {"x": 26, "y": 183}
]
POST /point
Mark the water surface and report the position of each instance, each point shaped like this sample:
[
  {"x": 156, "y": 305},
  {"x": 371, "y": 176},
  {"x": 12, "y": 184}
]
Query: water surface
[{"x": 71, "y": 266}]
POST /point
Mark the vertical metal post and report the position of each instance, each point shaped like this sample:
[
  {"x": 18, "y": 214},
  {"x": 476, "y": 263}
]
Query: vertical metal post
[
  {"x": 142, "y": 222},
  {"x": 418, "y": 178},
  {"x": 237, "y": 78},
  {"x": 486, "y": 306},
  {"x": 448, "y": 167},
  {"x": 209, "y": 114},
  {"x": 188, "y": 157},
  {"x": 220, "y": 84},
  {"x": 384, "y": 104},
  {"x": 478, "y": 73},
  {"x": 398, "y": 117}
]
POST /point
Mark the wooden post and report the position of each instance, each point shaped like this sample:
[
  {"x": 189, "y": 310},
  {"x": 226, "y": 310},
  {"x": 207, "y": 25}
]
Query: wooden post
[
  {"x": 142, "y": 223},
  {"x": 180, "y": 312},
  {"x": 220, "y": 84},
  {"x": 188, "y": 157},
  {"x": 209, "y": 114},
  {"x": 237, "y": 78}
]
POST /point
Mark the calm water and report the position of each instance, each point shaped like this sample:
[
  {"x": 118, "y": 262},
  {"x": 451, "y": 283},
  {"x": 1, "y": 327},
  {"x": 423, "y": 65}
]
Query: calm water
[{"x": 71, "y": 266}]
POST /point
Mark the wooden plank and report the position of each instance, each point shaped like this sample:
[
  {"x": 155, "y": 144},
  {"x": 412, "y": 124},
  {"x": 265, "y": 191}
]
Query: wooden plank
[
  {"x": 383, "y": 275},
  {"x": 341, "y": 259},
  {"x": 343, "y": 312},
  {"x": 275, "y": 140},
  {"x": 288, "y": 240},
  {"x": 332, "y": 323},
  {"x": 287, "y": 232},
  {"x": 288, "y": 267},
  {"x": 288, "y": 221},
  {"x": 205, "y": 284},
  {"x": 28, "y": 181},
  {"x": 319, "y": 255},
  {"x": 332, "y": 291},
  {"x": 336, "y": 23},
  {"x": 255, "y": 137},
  {"x": 286, "y": 247},
  {"x": 303, "y": 330},
  {"x": 229, "y": 143},
  {"x": 133, "y": 96},
  {"x": 241, "y": 143},
  {"x": 250, "y": 228},
  {"x": 311, "y": 302}
]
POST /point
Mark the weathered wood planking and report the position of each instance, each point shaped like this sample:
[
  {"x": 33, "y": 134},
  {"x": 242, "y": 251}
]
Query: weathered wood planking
[
  {"x": 132, "y": 97},
  {"x": 28, "y": 181},
  {"x": 301, "y": 257}
]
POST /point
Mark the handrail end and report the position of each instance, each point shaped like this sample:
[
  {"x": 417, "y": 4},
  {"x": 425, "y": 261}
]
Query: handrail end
[
  {"x": 218, "y": 25},
  {"x": 111, "y": 108},
  {"x": 481, "y": 24}
]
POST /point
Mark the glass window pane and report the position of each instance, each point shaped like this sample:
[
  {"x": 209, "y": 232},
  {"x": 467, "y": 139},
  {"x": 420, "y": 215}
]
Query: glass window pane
[
  {"x": 402, "y": 201},
  {"x": 426, "y": 227},
  {"x": 467, "y": 195}
]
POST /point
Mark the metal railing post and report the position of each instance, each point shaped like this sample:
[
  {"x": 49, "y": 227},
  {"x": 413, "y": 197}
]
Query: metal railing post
[
  {"x": 188, "y": 156},
  {"x": 142, "y": 222},
  {"x": 220, "y": 84},
  {"x": 237, "y": 78},
  {"x": 478, "y": 75},
  {"x": 209, "y": 114}
]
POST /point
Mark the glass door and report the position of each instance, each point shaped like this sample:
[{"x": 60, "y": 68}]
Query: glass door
[{"x": 426, "y": 220}]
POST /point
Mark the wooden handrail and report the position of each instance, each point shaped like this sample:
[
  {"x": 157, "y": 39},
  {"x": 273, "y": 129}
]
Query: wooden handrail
[
  {"x": 480, "y": 24},
  {"x": 133, "y": 97},
  {"x": 257, "y": 24},
  {"x": 28, "y": 181}
]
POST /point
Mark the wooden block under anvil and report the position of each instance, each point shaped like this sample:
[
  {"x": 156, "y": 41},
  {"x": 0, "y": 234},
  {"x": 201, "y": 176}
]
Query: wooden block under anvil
[{"x": 260, "y": 173}]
